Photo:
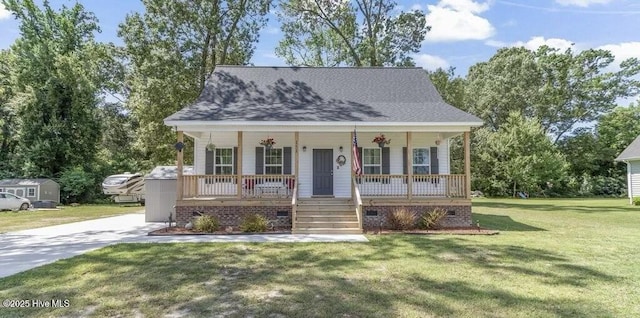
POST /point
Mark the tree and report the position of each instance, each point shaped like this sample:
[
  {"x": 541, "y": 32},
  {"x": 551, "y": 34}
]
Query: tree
[
  {"x": 55, "y": 90},
  {"x": 327, "y": 33},
  {"x": 171, "y": 49},
  {"x": 7, "y": 114},
  {"x": 519, "y": 156},
  {"x": 560, "y": 89},
  {"x": 619, "y": 128}
]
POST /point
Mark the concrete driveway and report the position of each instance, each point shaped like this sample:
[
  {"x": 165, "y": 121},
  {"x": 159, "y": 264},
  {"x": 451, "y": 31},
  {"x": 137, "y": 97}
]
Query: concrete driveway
[{"x": 27, "y": 249}]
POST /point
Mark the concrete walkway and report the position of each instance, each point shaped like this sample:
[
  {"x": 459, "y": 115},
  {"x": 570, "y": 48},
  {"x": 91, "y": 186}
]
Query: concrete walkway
[{"x": 27, "y": 249}]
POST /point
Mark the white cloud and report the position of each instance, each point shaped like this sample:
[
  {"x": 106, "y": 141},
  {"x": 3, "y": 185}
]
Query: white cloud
[
  {"x": 621, "y": 51},
  {"x": 624, "y": 50},
  {"x": 581, "y": 3},
  {"x": 537, "y": 41},
  {"x": 458, "y": 20},
  {"x": 430, "y": 62},
  {"x": 534, "y": 43},
  {"x": 4, "y": 13}
]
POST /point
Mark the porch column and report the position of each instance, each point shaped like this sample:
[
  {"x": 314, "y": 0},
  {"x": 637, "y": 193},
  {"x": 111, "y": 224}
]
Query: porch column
[
  {"x": 409, "y": 164},
  {"x": 352, "y": 174},
  {"x": 179, "y": 158},
  {"x": 239, "y": 165},
  {"x": 467, "y": 164},
  {"x": 296, "y": 137}
]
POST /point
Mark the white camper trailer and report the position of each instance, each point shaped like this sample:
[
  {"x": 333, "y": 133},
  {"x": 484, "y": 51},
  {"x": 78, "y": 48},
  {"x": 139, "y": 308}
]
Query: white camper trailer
[{"x": 126, "y": 187}]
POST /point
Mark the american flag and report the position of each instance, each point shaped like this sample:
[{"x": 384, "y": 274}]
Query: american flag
[{"x": 355, "y": 163}]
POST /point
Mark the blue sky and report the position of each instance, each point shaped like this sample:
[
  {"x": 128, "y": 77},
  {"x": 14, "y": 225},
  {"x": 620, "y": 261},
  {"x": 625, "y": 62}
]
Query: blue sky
[{"x": 464, "y": 32}]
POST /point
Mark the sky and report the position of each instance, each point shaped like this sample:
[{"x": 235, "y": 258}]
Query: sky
[{"x": 463, "y": 32}]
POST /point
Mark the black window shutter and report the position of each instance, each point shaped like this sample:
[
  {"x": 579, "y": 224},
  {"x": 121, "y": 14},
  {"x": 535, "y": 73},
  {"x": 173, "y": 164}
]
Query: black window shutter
[
  {"x": 435, "y": 166},
  {"x": 386, "y": 157},
  {"x": 286, "y": 160},
  {"x": 405, "y": 169},
  {"x": 259, "y": 160},
  {"x": 208, "y": 161},
  {"x": 235, "y": 161}
]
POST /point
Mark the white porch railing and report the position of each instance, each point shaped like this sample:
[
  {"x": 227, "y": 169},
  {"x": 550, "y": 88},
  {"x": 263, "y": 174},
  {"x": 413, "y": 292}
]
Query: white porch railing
[
  {"x": 434, "y": 185},
  {"x": 251, "y": 186}
]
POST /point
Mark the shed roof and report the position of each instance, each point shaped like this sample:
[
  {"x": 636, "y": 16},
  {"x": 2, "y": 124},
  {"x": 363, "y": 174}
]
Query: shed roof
[
  {"x": 167, "y": 172},
  {"x": 24, "y": 182},
  {"x": 337, "y": 94},
  {"x": 631, "y": 152}
]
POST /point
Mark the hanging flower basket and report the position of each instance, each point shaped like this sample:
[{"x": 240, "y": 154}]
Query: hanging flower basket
[
  {"x": 211, "y": 146},
  {"x": 268, "y": 143},
  {"x": 381, "y": 140}
]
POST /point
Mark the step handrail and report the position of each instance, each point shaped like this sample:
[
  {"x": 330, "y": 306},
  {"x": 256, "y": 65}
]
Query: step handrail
[
  {"x": 294, "y": 205},
  {"x": 358, "y": 202}
]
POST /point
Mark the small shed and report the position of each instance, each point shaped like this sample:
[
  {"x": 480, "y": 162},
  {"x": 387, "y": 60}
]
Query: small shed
[
  {"x": 160, "y": 192},
  {"x": 32, "y": 189},
  {"x": 631, "y": 156}
]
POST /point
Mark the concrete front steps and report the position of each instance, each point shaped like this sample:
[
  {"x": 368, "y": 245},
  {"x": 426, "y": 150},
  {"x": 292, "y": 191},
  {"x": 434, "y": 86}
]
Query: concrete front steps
[{"x": 326, "y": 216}]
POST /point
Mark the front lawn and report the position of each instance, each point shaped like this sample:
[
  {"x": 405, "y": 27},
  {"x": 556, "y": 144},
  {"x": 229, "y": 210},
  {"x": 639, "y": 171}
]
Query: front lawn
[
  {"x": 571, "y": 258},
  {"x": 22, "y": 220}
]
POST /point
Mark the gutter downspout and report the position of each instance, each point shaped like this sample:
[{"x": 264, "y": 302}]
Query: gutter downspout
[{"x": 629, "y": 182}]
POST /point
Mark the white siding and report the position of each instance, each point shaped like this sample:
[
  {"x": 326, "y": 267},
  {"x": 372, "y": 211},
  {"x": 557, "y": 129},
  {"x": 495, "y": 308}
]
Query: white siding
[
  {"x": 320, "y": 140},
  {"x": 634, "y": 175}
]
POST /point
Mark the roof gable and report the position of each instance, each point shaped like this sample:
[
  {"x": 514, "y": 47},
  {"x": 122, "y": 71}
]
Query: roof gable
[
  {"x": 631, "y": 152},
  {"x": 239, "y": 93}
]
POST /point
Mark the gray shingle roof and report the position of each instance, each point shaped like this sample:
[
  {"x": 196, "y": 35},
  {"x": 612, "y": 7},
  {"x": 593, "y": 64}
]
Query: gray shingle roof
[
  {"x": 631, "y": 152},
  {"x": 167, "y": 172},
  {"x": 244, "y": 93},
  {"x": 23, "y": 182}
]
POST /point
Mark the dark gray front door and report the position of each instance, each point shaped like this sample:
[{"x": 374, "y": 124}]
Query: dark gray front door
[{"x": 322, "y": 171}]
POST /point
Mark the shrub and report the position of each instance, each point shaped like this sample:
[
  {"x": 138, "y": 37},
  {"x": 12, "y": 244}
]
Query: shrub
[
  {"x": 431, "y": 220},
  {"x": 254, "y": 223},
  {"x": 206, "y": 223},
  {"x": 636, "y": 201},
  {"x": 402, "y": 219}
]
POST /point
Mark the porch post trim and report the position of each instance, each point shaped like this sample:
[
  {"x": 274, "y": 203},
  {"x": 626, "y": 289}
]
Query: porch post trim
[
  {"x": 180, "y": 158},
  {"x": 352, "y": 174},
  {"x": 296, "y": 169},
  {"x": 409, "y": 164},
  {"x": 467, "y": 164},
  {"x": 239, "y": 165}
]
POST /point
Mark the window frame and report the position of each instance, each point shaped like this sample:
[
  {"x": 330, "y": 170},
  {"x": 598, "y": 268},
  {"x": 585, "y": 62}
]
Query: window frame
[
  {"x": 364, "y": 165},
  {"x": 427, "y": 160},
  {"x": 266, "y": 165},
  {"x": 222, "y": 165},
  {"x": 29, "y": 189}
]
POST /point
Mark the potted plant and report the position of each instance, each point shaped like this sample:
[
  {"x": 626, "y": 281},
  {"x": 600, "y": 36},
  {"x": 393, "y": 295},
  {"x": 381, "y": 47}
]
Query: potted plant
[
  {"x": 381, "y": 140},
  {"x": 211, "y": 146},
  {"x": 268, "y": 143}
]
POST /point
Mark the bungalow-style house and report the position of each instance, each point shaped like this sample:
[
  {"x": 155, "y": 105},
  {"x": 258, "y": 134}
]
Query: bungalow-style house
[
  {"x": 281, "y": 141},
  {"x": 631, "y": 155},
  {"x": 33, "y": 189}
]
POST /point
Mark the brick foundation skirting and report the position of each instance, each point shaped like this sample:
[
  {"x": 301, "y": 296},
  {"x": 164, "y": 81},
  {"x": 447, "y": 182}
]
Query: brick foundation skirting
[
  {"x": 233, "y": 215},
  {"x": 460, "y": 215}
]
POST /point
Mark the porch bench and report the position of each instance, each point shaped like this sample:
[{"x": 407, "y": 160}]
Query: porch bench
[{"x": 271, "y": 189}]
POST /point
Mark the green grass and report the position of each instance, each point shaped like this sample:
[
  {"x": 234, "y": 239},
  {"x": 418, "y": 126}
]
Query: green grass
[
  {"x": 22, "y": 220},
  {"x": 569, "y": 258}
]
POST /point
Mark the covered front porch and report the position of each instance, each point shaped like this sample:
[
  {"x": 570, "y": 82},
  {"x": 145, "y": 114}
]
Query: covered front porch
[{"x": 234, "y": 172}]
